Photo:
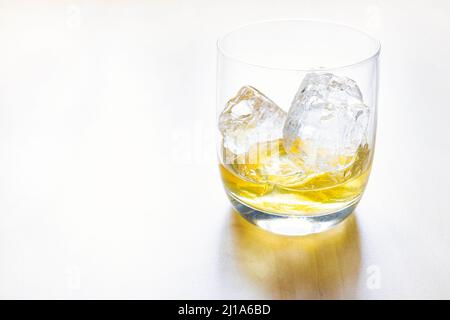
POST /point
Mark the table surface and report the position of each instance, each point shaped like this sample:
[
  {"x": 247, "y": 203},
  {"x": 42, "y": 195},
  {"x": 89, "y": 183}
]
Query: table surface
[{"x": 109, "y": 186}]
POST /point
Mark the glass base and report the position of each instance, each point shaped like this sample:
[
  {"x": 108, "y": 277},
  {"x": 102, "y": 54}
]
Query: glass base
[{"x": 291, "y": 225}]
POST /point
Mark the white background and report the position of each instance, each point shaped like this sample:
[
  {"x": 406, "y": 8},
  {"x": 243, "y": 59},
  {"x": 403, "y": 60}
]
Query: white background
[{"x": 109, "y": 186}]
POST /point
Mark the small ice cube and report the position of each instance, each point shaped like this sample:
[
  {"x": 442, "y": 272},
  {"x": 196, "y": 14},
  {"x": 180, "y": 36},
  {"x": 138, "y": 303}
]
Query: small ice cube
[
  {"x": 265, "y": 163},
  {"x": 326, "y": 123},
  {"x": 250, "y": 118}
]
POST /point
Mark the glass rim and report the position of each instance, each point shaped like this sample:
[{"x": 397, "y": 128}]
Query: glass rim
[{"x": 230, "y": 56}]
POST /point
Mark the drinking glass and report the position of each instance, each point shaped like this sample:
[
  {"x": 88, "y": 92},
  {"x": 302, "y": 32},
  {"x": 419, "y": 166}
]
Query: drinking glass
[{"x": 296, "y": 120}]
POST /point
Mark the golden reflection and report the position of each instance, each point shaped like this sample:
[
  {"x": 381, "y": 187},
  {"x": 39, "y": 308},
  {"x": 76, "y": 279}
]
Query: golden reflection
[{"x": 319, "y": 266}]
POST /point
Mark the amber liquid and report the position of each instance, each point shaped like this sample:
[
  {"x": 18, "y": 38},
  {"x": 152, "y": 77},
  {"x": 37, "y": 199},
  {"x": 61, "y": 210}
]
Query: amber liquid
[{"x": 268, "y": 182}]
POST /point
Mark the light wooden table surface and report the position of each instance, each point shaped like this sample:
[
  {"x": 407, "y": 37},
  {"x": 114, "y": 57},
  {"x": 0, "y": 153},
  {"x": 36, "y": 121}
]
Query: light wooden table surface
[{"x": 109, "y": 186}]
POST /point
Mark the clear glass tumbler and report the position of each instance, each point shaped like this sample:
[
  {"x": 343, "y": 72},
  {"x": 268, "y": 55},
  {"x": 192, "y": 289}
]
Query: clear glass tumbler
[{"x": 296, "y": 115}]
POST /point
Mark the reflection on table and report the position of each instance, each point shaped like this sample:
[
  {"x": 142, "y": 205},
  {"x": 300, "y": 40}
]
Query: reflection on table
[{"x": 318, "y": 266}]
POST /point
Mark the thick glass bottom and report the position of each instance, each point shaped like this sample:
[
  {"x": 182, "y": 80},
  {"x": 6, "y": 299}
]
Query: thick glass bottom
[{"x": 291, "y": 225}]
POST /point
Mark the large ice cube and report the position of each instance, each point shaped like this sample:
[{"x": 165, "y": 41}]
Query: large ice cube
[
  {"x": 326, "y": 123},
  {"x": 250, "y": 118}
]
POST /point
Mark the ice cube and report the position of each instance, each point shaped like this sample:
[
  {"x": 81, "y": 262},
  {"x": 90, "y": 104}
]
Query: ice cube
[
  {"x": 265, "y": 163},
  {"x": 326, "y": 123},
  {"x": 250, "y": 118}
]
